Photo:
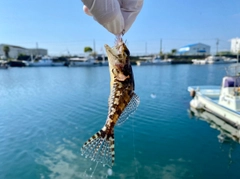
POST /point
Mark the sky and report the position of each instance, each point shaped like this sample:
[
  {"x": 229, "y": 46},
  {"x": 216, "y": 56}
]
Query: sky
[{"x": 61, "y": 26}]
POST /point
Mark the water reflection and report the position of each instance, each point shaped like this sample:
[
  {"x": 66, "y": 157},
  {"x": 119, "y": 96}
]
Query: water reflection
[{"x": 228, "y": 133}]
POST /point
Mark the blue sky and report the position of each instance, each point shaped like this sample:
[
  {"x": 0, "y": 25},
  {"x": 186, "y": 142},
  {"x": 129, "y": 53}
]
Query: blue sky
[{"x": 61, "y": 26}]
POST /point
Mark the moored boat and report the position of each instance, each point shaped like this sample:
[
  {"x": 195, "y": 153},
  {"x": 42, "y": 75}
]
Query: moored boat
[
  {"x": 214, "y": 60},
  {"x": 219, "y": 60},
  {"x": 155, "y": 61},
  {"x": 199, "y": 62},
  {"x": 41, "y": 62},
  {"x": 222, "y": 101},
  {"x": 81, "y": 61},
  {"x": 3, "y": 64},
  {"x": 17, "y": 63}
]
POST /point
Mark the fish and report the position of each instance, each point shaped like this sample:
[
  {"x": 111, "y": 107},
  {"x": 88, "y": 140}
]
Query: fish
[{"x": 122, "y": 102}]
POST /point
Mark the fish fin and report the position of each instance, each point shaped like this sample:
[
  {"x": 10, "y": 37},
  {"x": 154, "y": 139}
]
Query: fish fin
[
  {"x": 100, "y": 147},
  {"x": 130, "y": 108}
]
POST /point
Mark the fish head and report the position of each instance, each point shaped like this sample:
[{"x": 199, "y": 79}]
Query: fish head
[
  {"x": 118, "y": 56},
  {"x": 119, "y": 62}
]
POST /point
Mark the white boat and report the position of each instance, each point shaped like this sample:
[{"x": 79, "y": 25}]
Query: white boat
[
  {"x": 214, "y": 60},
  {"x": 222, "y": 101},
  {"x": 3, "y": 64},
  {"x": 227, "y": 131},
  {"x": 154, "y": 61},
  {"x": 219, "y": 60},
  {"x": 81, "y": 61},
  {"x": 199, "y": 62},
  {"x": 40, "y": 62}
]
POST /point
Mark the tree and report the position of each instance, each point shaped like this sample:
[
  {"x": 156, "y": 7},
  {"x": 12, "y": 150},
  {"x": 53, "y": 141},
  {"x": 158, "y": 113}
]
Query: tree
[
  {"x": 87, "y": 49},
  {"x": 222, "y": 53},
  {"x": 6, "y": 50},
  {"x": 174, "y": 51}
]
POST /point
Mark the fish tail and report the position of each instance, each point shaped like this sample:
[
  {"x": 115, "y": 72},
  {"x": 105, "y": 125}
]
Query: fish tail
[{"x": 100, "y": 147}]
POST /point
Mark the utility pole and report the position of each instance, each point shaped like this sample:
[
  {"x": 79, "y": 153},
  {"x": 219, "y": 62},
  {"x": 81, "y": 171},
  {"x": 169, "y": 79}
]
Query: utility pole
[{"x": 160, "y": 46}]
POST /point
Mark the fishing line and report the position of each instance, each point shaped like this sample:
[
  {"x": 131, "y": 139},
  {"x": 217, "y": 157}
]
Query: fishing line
[
  {"x": 94, "y": 170},
  {"x": 134, "y": 150}
]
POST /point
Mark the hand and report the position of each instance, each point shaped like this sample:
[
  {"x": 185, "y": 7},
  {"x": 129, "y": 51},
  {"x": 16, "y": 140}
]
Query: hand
[{"x": 116, "y": 16}]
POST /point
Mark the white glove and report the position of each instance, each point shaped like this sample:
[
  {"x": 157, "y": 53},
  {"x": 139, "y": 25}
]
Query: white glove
[{"x": 116, "y": 16}]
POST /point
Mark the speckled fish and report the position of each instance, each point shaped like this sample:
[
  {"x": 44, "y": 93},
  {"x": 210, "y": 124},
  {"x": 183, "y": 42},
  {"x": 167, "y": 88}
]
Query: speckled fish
[{"x": 122, "y": 102}]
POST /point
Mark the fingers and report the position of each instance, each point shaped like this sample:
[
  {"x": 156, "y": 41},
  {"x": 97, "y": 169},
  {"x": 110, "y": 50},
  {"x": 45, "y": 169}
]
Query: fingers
[
  {"x": 107, "y": 13},
  {"x": 86, "y": 10},
  {"x": 115, "y": 15},
  {"x": 130, "y": 9}
]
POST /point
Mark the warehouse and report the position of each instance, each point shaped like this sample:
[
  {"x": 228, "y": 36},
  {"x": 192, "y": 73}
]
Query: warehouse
[
  {"x": 194, "y": 49},
  {"x": 14, "y": 51}
]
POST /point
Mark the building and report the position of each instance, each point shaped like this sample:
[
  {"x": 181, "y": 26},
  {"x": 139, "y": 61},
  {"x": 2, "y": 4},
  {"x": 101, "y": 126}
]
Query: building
[
  {"x": 235, "y": 45},
  {"x": 15, "y": 51},
  {"x": 194, "y": 49}
]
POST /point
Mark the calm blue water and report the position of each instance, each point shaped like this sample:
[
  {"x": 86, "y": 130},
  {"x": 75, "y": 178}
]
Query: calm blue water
[{"x": 46, "y": 114}]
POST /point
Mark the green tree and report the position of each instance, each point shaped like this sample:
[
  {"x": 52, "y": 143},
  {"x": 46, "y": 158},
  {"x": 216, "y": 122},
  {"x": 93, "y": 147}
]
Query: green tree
[
  {"x": 224, "y": 53},
  {"x": 87, "y": 49},
  {"x": 174, "y": 51},
  {"x": 6, "y": 50}
]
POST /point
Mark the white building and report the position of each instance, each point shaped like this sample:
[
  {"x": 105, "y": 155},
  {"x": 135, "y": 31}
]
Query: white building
[
  {"x": 194, "y": 49},
  {"x": 235, "y": 45},
  {"x": 14, "y": 51}
]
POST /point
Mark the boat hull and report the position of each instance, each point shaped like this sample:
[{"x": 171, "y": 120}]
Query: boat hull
[{"x": 209, "y": 102}]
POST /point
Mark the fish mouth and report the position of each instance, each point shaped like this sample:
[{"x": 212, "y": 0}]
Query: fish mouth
[
  {"x": 118, "y": 54},
  {"x": 112, "y": 54},
  {"x": 111, "y": 51}
]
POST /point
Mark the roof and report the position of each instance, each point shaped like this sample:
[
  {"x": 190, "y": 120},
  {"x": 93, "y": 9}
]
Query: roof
[
  {"x": 37, "y": 49},
  {"x": 14, "y": 46},
  {"x": 190, "y": 45},
  {"x": 186, "y": 48}
]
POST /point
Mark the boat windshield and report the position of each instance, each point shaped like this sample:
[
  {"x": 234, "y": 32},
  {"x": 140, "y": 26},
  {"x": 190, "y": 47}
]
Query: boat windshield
[{"x": 232, "y": 82}]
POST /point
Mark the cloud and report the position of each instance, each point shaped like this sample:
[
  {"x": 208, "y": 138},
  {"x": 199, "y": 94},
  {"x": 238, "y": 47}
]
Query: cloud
[
  {"x": 176, "y": 168},
  {"x": 63, "y": 160}
]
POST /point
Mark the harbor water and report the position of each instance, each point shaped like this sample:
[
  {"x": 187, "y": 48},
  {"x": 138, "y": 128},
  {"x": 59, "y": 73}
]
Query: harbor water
[{"x": 46, "y": 114}]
